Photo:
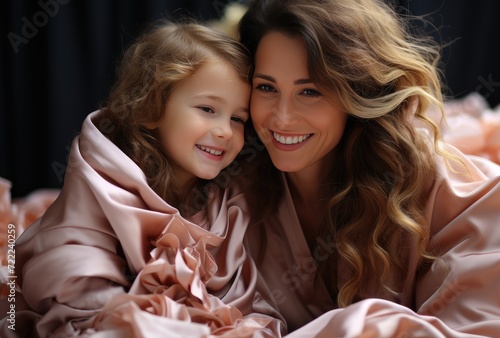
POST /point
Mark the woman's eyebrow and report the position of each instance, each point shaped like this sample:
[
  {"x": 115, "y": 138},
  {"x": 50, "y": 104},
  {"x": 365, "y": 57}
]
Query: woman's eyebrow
[
  {"x": 264, "y": 77},
  {"x": 302, "y": 81},
  {"x": 271, "y": 79}
]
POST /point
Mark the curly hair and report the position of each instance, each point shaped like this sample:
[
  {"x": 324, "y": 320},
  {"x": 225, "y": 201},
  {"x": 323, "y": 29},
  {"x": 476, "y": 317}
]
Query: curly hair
[
  {"x": 362, "y": 53},
  {"x": 160, "y": 58}
]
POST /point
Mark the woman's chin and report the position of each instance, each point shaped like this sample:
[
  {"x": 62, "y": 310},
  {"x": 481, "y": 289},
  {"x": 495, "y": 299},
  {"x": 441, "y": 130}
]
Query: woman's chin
[{"x": 286, "y": 166}]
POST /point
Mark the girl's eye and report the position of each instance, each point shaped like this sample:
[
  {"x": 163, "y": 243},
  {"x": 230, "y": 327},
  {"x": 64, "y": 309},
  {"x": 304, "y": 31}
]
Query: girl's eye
[
  {"x": 206, "y": 109},
  {"x": 311, "y": 92},
  {"x": 238, "y": 119},
  {"x": 265, "y": 88}
]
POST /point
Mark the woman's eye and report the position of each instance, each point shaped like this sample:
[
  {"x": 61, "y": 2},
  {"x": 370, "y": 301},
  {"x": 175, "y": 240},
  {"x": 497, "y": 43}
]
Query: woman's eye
[
  {"x": 311, "y": 92},
  {"x": 206, "y": 109},
  {"x": 265, "y": 88}
]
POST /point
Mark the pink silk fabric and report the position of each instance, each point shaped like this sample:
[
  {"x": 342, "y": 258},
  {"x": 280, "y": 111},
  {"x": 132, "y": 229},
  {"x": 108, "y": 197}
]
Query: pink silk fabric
[
  {"x": 78, "y": 278},
  {"x": 459, "y": 296},
  {"x": 106, "y": 227}
]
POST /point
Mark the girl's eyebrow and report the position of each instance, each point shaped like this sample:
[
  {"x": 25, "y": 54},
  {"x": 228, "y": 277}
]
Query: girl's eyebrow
[
  {"x": 209, "y": 96},
  {"x": 221, "y": 99},
  {"x": 271, "y": 79}
]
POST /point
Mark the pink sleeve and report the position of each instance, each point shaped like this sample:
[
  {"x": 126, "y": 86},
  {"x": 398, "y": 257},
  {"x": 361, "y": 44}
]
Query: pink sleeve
[
  {"x": 374, "y": 318},
  {"x": 461, "y": 288}
]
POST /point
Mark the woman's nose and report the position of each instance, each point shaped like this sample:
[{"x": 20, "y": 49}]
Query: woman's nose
[{"x": 283, "y": 113}]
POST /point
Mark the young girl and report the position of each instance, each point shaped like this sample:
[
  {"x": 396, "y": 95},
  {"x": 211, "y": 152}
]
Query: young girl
[
  {"x": 374, "y": 226},
  {"x": 148, "y": 220}
]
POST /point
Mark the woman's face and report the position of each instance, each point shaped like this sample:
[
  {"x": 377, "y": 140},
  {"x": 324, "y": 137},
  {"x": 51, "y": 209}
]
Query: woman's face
[{"x": 296, "y": 122}]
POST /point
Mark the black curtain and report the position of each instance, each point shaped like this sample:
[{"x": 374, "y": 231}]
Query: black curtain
[
  {"x": 58, "y": 61},
  {"x": 469, "y": 32}
]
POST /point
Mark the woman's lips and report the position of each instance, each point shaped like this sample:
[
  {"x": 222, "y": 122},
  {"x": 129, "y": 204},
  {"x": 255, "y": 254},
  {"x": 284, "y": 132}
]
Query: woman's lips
[{"x": 289, "y": 142}]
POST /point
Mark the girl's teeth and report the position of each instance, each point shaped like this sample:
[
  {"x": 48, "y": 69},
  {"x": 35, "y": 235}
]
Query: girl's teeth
[
  {"x": 211, "y": 151},
  {"x": 290, "y": 140}
]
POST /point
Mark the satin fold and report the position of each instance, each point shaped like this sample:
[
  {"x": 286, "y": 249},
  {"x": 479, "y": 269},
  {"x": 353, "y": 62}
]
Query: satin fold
[{"x": 109, "y": 258}]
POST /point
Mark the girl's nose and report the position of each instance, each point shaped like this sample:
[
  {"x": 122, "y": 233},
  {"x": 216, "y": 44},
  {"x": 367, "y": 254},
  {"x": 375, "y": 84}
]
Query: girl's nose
[{"x": 223, "y": 129}]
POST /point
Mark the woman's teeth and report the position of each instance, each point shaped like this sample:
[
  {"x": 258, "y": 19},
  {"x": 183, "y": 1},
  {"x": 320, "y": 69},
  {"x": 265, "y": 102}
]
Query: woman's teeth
[
  {"x": 290, "y": 139},
  {"x": 211, "y": 151}
]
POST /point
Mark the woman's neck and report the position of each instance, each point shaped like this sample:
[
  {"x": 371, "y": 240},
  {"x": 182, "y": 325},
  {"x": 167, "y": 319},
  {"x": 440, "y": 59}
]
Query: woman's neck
[
  {"x": 307, "y": 188},
  {"x": 308, "y": 184},
  {"x": 304, "y": 187}
]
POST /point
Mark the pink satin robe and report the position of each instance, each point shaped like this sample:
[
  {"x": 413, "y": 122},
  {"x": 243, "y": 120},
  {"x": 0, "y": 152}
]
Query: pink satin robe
[
  {"x": 107, "y": 226},
  {"x": 463, "y": 301},
  {"x": 458, "y": 297}
]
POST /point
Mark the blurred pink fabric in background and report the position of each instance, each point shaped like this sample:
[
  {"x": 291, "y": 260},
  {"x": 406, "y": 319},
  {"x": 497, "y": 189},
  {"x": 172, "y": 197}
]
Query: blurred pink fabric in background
[
  {"x": 21, "y": 213},
  {"x": 473, "y": 127}
]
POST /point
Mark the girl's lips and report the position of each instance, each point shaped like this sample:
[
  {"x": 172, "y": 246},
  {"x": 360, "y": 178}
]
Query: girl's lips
[{"x": 212, "y": 153}]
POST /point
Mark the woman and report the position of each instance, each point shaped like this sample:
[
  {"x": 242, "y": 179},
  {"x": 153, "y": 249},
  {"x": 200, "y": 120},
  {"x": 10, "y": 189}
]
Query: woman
[{"x": 381, "y": 229}]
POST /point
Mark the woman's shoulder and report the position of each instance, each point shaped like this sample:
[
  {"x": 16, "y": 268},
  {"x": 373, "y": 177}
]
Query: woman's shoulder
[
  {"x": 463, "y": 213},
  {"x": 465, "y": 186}
]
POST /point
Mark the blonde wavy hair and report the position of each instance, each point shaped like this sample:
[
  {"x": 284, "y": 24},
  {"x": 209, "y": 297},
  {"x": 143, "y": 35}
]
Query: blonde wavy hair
[
  {"x": 361, "y": 53},
  {"x": 161, "y": 57}
]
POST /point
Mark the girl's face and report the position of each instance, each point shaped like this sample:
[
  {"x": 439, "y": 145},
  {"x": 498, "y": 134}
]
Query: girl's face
[
  {"x": 297, "y": 123},
  {"x": 202, "y": 128}
]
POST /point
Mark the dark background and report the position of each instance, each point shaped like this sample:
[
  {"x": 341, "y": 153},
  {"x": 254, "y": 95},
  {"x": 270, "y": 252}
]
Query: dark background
[{"x": 58, "y": 61}]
